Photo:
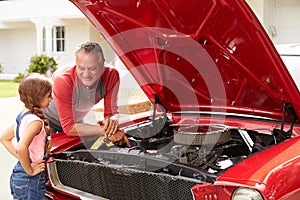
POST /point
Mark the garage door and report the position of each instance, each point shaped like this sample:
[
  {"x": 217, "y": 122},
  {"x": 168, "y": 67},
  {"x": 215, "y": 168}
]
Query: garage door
[{"x": 287, "y": 21}]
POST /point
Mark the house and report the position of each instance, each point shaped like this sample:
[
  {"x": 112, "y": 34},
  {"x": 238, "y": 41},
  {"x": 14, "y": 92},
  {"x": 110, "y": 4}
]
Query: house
[
  {"x": 34, "y": 27},
  {"x": 55, "y": 27},
  {"x": 281, "y": 19}
]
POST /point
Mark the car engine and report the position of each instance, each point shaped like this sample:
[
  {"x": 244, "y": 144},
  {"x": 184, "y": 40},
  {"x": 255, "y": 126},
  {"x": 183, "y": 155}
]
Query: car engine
[{"x": 163, "y": 157}]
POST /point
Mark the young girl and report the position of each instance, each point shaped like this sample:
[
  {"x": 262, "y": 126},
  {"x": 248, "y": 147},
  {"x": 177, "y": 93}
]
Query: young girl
[{"x": 30, "y": 131}]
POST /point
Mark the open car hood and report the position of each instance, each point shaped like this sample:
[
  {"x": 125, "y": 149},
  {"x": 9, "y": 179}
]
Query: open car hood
[{"x": 199, "y": 55}]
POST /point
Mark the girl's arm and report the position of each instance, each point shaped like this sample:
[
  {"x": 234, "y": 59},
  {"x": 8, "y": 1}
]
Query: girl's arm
[
  {"x": 22, "y": 149},
  {"x": 7, "y": 140}
]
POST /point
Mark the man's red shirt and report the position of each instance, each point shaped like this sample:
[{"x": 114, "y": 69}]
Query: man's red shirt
[{"x": 72, "y": 100}]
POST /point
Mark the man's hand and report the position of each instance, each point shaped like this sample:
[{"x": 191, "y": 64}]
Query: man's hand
[
  {"x": 120, "y": 138},
  {"x": 111, "y": 131},
  {"x": 109, "y": 125}
]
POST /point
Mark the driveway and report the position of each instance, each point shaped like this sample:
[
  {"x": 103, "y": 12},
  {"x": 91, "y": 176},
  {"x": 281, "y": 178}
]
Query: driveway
[{"x": 9, "y": 107}]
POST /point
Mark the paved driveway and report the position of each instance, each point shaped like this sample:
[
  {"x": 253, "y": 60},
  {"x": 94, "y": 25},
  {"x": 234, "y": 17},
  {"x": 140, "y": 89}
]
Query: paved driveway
[{"x": 9, "y": 107}]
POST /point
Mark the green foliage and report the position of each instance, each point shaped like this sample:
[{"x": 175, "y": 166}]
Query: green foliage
[
  {"x": 42, "y": 64},
  {"x": 18, "y": 78},
  {"x": 1, "y": 68}
]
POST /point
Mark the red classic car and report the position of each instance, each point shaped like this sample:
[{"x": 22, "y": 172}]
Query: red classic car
[{"x": 225, "y": 120}]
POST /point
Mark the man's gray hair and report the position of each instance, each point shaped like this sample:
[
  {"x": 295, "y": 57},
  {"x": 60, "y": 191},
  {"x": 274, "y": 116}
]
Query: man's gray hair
[{"x": 89, "y": 47}]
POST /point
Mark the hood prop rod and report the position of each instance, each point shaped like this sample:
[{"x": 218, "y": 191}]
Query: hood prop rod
[
  {"x": 158, "y": 102},
  {"x": 288, "y": 110}
]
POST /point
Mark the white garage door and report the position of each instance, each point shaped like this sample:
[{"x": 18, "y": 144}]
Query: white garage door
[{"x": 287, "y": 21}]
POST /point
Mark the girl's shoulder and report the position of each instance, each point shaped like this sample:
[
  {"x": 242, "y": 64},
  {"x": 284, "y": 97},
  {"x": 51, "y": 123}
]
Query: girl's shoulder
[
  {"x": 30, "y": 117},
  {"x": 31, "y": 121}
]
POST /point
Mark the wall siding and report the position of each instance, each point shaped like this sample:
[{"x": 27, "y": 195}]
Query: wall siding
[
  {"x": 287, "y": 21},
  {"x": 17, "y": 47}
]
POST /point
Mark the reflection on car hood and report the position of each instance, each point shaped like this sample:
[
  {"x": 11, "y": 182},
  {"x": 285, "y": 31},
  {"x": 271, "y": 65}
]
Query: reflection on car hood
[{"x": 199, "y": 55}]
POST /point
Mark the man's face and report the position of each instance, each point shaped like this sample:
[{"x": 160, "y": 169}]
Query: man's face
[{"x": 89, "y": 67}]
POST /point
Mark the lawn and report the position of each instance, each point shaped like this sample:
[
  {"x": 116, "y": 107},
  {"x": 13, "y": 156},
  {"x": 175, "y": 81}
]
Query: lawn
[{"x": 8, "y": 88}]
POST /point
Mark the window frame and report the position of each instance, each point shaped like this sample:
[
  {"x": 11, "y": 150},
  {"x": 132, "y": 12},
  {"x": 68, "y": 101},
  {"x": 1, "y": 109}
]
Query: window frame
[{"x": 59, "y": 39}]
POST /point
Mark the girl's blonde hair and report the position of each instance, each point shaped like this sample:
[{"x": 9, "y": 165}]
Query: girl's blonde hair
[{"x": 32, "y": 89}]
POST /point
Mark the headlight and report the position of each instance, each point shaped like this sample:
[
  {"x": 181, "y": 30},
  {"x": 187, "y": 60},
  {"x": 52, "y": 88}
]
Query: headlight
[{"x": 246, "y": 194}]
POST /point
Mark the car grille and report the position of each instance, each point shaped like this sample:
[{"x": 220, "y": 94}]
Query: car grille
[{"x": 118, "y": 183}]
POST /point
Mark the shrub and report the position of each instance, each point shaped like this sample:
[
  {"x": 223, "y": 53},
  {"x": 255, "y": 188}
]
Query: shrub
[
  {"x": 18, "y": 78},
  {"x": 42, "y": 64}
]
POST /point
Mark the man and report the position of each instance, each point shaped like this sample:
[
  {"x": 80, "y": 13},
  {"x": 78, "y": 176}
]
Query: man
[{"x": 77, "y": 89}]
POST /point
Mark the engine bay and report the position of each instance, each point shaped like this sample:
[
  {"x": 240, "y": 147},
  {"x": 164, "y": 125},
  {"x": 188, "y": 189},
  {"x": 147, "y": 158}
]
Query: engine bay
[{"x": 200, "y": 152}]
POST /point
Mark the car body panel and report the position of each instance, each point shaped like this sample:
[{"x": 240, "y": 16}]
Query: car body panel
[
  {"x": 268, "y": 171},
  {"x": 257, "y": 168},
  {"x": 61, "y": 142}
]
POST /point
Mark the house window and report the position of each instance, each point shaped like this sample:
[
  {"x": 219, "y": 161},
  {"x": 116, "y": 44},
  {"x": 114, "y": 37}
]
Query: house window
[{"x": 59, "y": 38}]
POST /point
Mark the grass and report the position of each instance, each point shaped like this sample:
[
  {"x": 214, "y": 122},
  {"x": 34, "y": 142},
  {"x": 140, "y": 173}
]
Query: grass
[{"x": 8, "y": 88}]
